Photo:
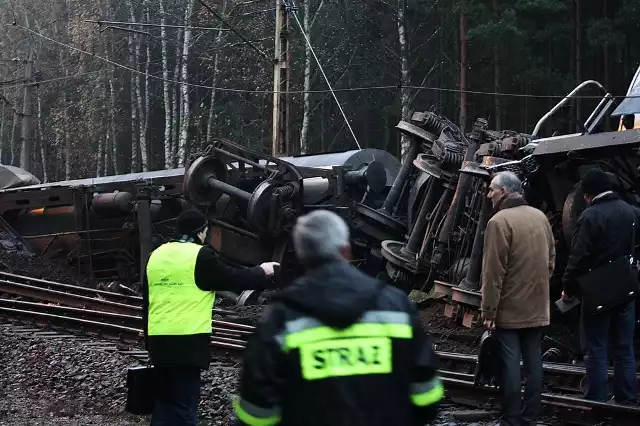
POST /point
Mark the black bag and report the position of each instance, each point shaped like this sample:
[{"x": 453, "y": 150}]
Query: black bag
[
  {"x": 611, "y": 284},
  {"x": 140, "y": 390},
  {"x": 488, "y": 363}
]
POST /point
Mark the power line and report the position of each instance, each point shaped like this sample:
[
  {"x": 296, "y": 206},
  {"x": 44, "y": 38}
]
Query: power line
[
  {"x": 153, "y": 25},
  {"x": 326, "y": 79},
  {"x": 128, "y": 30},
  {"x": 116, "y": 64},
  {"x": 294, "y": 92},
  {"x": 236, "y": 32},
  {"x": 37, "y": 83}
]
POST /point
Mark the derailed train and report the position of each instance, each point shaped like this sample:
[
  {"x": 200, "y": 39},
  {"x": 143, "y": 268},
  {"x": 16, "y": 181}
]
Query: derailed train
[
  {"x": 107, "y": 226},
  {"x": 418, "y": 223},
  {"x": 425, "y": 230}
]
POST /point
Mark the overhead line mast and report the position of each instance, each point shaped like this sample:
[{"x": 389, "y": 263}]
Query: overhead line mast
[{"x": 281, "y": 142}]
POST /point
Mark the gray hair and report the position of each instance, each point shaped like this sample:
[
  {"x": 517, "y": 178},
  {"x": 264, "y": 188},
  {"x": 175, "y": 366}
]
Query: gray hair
[
  {"x": 319, "y": 236},
  {"x": 509, "y": 181}
]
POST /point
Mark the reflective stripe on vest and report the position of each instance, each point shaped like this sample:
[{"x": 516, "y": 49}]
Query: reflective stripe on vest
[
  {"x": 176, "y": 305},
  {"x": 363, "y": 348}
]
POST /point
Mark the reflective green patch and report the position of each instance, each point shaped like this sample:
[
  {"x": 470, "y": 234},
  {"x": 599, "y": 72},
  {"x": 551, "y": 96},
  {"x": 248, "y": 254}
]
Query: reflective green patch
[
  {"x": 318, "y": 334},
  {"x": 346, "y": 357}
]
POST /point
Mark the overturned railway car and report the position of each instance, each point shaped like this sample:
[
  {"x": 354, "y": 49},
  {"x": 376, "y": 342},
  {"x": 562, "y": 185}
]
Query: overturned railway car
[
  {"x": 425, "y": 229},
  {"x": 107, "y": 226},
  {"x": 94, "y": 223}
]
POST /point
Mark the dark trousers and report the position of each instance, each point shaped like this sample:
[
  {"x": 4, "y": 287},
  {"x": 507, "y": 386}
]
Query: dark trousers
[
  {"x": 513, "y": 343},
  {"x": 617, "y": 325},
  {"x": 177, "y": 396}
]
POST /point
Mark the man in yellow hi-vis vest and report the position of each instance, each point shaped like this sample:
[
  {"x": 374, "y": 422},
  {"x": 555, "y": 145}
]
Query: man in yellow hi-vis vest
[
  {"x": 337, "y": 347},
  {"x": 179, "y": 288}
]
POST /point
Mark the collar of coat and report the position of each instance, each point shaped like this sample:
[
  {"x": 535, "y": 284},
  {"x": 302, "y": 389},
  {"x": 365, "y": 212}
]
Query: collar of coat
[
  {"x": 604, "y": 196},
  {"x": 509, "y": 201}
]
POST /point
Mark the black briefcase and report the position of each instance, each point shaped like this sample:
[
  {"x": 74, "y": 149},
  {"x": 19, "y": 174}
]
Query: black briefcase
[
  {"x": 140, "y": 390},
  {"x": 608, "y": 286},
  {"x": 488, "y": 363}
]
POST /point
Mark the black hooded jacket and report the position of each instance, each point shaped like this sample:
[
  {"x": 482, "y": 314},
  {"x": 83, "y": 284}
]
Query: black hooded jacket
[
  {"x": 297, "y": 373},
  {"x": 603, "y": 233}
]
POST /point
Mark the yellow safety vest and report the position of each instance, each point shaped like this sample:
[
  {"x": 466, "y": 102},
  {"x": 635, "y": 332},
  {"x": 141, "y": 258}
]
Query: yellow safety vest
[{"x": 176, "y": 305}]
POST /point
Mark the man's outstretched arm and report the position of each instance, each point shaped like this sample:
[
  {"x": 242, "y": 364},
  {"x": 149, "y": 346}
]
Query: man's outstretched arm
[{"x": 212, "y": 274}]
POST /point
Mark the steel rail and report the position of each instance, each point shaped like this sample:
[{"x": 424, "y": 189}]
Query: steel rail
[
  {"x": 572, "y": 409},
  {"x": 56, "y": 296},
  {"x": 109, "y": 295},
  {"x": 111, "y": 315},
  {"x": 548, "y": 367},
  {"x": 128, "y": 334},
  {"x": 73, "y": 299}
]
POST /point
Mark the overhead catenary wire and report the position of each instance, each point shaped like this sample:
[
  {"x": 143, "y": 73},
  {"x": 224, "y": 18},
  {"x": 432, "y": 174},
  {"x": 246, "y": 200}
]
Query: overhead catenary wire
[
  {"x": 235, "y": 31},
  {"x": 326, "y": 79},
  {"x": 140, "y": 24},
  {"x": 51, "y": 80},
  {"x": 133, "y": 70},
  {"x": 294, "y": 92}
]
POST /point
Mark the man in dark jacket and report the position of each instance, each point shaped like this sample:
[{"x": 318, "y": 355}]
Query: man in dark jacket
[
  {"x": 178, "y": 297},
  {"x": 603, "y": 233},
  {"x": 337, "y": 347}
]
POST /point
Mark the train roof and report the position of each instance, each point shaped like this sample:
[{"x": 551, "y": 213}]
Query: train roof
[
  {"x": 353, "y": 158},
  {"x": 115, "y": 180},
  {"x": 12, "y": 177},
  {"x": 597, "y": 141}
]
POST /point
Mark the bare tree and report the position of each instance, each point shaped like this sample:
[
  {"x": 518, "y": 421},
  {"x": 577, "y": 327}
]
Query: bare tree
[
  {"x": 405, "y": 97},
  {"x": 168, "y": 160},
  {"x": 184, "y": 89},
  {"x": 216, "y": 63},
  {"x": 306, "y": 114},
  {"x": 41, "y": 138}
]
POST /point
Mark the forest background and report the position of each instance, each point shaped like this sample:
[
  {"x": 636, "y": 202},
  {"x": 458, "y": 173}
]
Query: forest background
[{"x": 81, "y": 99}]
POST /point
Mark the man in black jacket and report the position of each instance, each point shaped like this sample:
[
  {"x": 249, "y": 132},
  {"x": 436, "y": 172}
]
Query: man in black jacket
[
  {"x": 178, "y": 297},
  {"x": 337, "y": 347},
  {"x": 604, "y": 232}
]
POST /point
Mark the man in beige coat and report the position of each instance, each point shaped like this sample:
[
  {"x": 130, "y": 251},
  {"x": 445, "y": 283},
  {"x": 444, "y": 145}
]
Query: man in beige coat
[{"x": 518, "y": 260}]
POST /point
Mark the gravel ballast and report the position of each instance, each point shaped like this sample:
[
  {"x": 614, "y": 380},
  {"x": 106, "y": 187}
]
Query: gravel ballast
[
  {"x": 48, "y": 381},
  {"x": 67, "y": 382}
]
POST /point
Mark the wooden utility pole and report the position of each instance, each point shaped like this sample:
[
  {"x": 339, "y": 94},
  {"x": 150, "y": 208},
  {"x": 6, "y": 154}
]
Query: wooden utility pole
[
  {"x": 463, "y": 70},
  {"x": 26, "y": 134},
  {"x": 281, "y": 77}
]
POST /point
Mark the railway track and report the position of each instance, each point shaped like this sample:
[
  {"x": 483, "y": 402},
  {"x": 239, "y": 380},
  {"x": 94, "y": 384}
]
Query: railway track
[
  {"x": 110, "y": 314},
  {"x": 118, "y": 317},
  {"x": 109, "y": 308}
]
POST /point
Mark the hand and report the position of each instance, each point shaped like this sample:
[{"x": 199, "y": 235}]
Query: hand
[
  {"x": 565, "y": 297},
  {"x": 489, "y": 324},
  {"x": 268, "y": 267}
]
